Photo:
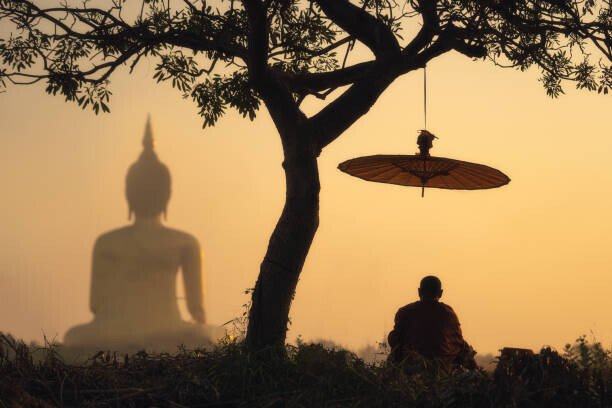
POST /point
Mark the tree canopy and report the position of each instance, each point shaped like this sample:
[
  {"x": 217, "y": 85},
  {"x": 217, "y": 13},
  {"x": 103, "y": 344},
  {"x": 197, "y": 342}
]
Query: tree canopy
[{"x": 209, "y": 51}]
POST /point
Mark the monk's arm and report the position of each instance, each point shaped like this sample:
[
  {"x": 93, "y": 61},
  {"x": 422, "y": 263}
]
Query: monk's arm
[
  {"x": 395, "y": 335},
  {"x": 456, "y": 330},
  {"x": 465, "y": 355},
  {"x": 191, "y": 265}
]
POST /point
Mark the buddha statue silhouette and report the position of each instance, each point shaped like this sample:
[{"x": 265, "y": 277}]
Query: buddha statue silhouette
[{"x": 134, "y": 271}]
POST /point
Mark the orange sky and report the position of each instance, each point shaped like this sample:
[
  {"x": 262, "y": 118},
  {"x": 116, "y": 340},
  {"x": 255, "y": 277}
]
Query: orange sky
[{"x": 525, "y": 265}]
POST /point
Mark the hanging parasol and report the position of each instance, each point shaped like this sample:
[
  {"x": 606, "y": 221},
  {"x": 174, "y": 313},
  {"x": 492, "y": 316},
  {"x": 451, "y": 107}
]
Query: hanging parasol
[{"x": 423, "y": 170}]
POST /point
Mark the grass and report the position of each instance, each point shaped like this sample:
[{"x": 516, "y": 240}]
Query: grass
[{"x": 307, "y": 375}]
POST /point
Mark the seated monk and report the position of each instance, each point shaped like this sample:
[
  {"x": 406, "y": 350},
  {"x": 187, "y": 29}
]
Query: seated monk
[
  {"x": 430, "y": 328},
  {"x": 134, "y": 270}
]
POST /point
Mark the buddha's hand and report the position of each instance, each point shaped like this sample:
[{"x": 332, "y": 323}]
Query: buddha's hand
[{"x": 199, "y": 316}]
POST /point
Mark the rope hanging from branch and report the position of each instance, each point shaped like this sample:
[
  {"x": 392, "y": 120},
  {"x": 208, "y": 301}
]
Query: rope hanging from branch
[{"x": 425, "y": 95}]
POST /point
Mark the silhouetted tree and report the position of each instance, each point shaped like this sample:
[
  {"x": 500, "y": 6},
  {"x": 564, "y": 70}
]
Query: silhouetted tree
[{"x": 239, "y": 53}]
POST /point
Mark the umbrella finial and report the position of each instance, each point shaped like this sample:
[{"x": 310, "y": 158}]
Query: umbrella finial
[{"x": 425, "y": 142}]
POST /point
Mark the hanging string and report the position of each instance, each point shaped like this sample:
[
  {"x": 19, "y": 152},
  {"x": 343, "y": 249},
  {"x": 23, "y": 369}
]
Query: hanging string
[
  {"x": 425, "y": 95},
  {"x": 425, "y": 120}
]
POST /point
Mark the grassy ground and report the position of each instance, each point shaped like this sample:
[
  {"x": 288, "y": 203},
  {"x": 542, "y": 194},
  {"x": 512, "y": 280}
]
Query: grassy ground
[{"x": 308, "y": 375}]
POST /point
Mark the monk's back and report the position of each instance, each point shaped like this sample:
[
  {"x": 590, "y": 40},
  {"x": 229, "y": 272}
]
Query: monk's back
[{"x": 429, "y": 327}]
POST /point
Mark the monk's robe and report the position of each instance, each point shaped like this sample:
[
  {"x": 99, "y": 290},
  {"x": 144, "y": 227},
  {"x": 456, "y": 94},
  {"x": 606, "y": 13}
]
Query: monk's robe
[{"x": 430, "y": 328}]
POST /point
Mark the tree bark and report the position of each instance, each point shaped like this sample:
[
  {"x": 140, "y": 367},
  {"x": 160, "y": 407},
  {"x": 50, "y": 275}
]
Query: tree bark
[
  {"x": 287, "y": 249},
  {"x": 302, "y": 140}
]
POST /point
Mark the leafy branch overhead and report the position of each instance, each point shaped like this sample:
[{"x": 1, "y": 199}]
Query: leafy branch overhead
[{"x": 214, "y": 54}]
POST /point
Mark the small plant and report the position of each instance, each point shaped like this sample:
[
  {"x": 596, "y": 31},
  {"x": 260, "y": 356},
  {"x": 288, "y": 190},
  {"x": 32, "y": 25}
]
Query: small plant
[{"x": 588, "y": 355}]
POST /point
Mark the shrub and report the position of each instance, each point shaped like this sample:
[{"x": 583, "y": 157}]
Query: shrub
[{"x": 305, "y": 375}]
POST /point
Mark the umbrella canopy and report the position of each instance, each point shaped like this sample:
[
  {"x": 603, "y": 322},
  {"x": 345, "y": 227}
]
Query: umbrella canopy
[{"x": 423, "y": 170}]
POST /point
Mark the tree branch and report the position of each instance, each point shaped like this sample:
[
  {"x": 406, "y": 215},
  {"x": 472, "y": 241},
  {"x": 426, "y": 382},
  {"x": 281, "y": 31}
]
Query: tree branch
[
  {"x": 431, "y": 26},
  {"x": 363, "y": 26},
  {"x": 311, "y": 82},
  {"x": 280, "y": 103},
  {"x": 355, "y": 102},
  {"x": 315, "y": 53}
]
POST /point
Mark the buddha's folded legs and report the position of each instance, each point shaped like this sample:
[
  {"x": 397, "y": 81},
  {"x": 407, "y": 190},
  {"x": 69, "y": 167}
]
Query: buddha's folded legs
[
  {"x": 82, "y": 335},
  {"x": 102, "y": 335}
]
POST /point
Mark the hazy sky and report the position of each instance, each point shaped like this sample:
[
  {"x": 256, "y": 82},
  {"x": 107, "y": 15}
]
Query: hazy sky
[{"x": 525, "y": 265}]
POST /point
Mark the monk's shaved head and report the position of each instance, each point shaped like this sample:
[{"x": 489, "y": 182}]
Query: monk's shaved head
[{"x": 430, "y": 287}]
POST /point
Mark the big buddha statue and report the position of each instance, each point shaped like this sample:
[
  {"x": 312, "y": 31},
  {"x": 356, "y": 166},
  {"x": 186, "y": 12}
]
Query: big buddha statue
[{"x": 134, "y": 273}]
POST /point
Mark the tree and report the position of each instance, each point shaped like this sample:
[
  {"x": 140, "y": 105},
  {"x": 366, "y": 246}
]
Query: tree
[{"x": 239, "y": 53}]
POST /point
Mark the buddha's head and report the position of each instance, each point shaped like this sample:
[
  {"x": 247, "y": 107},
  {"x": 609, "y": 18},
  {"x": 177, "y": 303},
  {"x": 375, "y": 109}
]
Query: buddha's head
[{"x": 147, "y": 185}]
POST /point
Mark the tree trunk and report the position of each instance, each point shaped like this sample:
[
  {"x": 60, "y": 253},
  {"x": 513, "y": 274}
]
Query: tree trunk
[{"x": 287, "y": 249}]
